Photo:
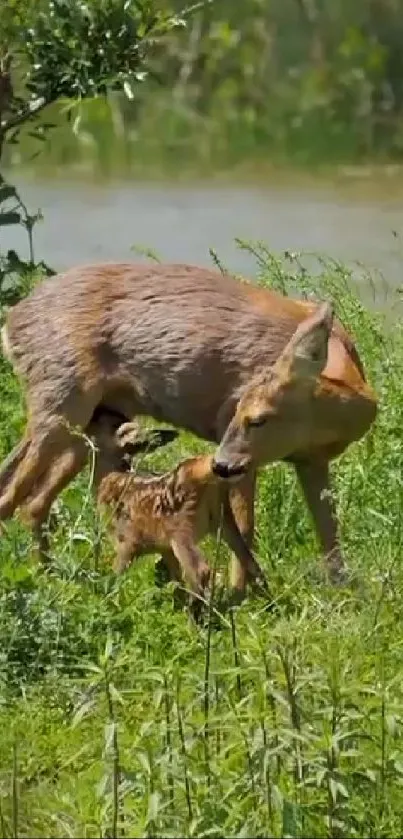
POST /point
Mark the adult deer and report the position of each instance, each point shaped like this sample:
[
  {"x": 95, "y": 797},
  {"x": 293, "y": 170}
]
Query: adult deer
[{"x": 182, "y": 344}]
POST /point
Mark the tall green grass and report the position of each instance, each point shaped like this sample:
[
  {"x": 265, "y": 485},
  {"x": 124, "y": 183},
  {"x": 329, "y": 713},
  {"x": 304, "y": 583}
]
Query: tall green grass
[{"x": 120, "y": 718}]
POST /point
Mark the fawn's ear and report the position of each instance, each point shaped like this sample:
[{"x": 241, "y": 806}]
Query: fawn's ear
[{"x": 305, "y": 355}]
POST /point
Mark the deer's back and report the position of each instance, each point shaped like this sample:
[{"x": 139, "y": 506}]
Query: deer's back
[{"x": 178, "y": 341}]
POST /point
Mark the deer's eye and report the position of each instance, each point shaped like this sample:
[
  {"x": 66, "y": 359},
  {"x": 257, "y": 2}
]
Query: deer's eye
[{"x": 256, "y": 422}]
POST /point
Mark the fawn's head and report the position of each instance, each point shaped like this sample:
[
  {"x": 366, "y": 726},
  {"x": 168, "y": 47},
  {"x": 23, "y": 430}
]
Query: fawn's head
[
  {"x": 272, "y": 414},
  {"x": 199, "y": 471}
]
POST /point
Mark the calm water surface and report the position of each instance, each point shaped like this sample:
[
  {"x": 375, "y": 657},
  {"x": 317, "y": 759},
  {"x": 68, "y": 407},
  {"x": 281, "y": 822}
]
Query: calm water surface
[{"x": 84, "y": 222}]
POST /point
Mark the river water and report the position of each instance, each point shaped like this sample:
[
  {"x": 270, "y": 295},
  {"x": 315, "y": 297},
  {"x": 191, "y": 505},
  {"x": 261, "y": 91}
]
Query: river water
[{"x": 361, "y": 219}]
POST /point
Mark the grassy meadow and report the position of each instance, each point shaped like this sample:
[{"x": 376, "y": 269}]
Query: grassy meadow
[{"x": 120, "y": 718}]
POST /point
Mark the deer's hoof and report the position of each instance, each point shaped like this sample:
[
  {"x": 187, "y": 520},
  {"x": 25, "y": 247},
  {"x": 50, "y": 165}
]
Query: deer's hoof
[
  {"x": 161, "y": 574},
  {"x": 339, "y": 575}
]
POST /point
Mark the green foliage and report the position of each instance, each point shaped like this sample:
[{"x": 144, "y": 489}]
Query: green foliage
[
  {"x": 76, "y": 50},
  {"x": 298, "y": 80},
  {"x": 112, "y": 721},
  {"x": 309, "y": 78},
  {"x": 16, "y": 274},
  {"x": 68, "y": 49}
]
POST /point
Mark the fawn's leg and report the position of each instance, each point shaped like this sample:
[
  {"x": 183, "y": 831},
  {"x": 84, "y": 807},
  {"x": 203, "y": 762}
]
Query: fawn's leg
[
  {"x": 242, "y": 501},
  {"x": 171, "y": 567},
  {"x": 195, "y": 571},
  {"x": 193, "y": 564},
  {"x": 170, "y": 561},
  {"x": 125, "y": 554}
]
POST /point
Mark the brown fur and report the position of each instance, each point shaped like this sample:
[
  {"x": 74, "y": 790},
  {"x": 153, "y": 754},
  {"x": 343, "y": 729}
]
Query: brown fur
[
  {"x": 167, "y": 513},
  {"x": 181, "y": 344}
]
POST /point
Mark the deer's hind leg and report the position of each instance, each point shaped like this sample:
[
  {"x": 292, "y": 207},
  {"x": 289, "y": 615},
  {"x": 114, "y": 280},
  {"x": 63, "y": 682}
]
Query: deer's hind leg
[
  {"x": 12, "y": 461},
  {"x": 41, "y": 449},
  {"x": 36, "y": 508},
  {"x": 47, "y": 437}
]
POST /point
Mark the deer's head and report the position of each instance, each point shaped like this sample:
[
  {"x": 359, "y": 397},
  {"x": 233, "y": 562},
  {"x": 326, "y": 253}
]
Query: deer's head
[{"x": 272, "y": 418}]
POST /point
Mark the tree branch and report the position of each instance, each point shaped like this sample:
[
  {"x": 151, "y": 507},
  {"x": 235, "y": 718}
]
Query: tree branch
[{"x": 29, "y": 112}]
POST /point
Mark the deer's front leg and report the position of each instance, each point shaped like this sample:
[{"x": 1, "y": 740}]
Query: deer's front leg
[
  {"x": 315, "y": 481},
  {"x": 251, "y": 570}
]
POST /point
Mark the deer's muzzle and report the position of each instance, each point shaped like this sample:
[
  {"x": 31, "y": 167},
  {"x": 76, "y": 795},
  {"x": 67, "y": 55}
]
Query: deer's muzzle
[{"x": 225, "y": 471}]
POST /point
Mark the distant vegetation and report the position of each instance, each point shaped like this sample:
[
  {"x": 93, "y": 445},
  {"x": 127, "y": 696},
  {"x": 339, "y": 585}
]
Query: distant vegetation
[{"x": 301, "y": 81}]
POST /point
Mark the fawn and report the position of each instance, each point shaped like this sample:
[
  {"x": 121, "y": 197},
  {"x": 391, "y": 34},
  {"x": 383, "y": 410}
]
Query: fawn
[{"x": 166, "y": 513}]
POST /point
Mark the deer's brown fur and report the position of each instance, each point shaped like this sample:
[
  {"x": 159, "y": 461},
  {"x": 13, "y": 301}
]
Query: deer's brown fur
[{"x": 182, "y": 344}]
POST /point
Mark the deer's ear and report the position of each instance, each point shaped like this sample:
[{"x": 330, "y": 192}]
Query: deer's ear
[
  {"x": 127, "y": 434},
  {"x": 131, "y": 440},
  {"x": 305, "y": 355}
]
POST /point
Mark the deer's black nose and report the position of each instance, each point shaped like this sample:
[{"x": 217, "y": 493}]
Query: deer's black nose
[{"x": 223, "y": 470}]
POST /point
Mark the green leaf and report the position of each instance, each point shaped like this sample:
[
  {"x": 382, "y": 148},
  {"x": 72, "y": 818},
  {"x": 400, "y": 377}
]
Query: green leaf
[
  {"x": 144, "y": 761},
  {"x": 392, "y": 725},
  {"x": 7, "y": 191},
  {"x": 128, "y": 89},
  {"x": 104, "y": 658},
  {"x": 153, "y": 807},
  {"x": 337, "y": 789},
  {"x": 290, "y": 819},
  {"x": 83, "y": 711},
  {"x": 10, "y": 283},
  {"x": 333, "y": 789},
  {"x": 103, "y": 787},
  {"x": 110, "y": 732},
  {"x": 115, "y": 694},
  {"x": 9, "y": 218},
  {"x": 342, "y": 789}
]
